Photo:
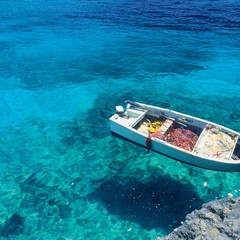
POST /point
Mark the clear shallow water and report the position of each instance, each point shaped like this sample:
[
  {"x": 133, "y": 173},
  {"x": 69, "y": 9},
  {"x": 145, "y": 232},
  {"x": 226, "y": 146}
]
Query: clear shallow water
[{"x": 64, "y": 67}]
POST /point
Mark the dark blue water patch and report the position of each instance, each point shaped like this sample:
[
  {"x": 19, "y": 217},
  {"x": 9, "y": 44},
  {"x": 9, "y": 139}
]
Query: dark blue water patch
[
  {"x": 164, "y": 104},
  {"x": 121, "y": 66},
  {"x": 20, "y": 27},
  {"x": 172, "y": 15},
  {"x": 74, "y": 133},
  {"x": 94, "y": 123},
  {"x": 12, "y": 226},
  {"x": 169, "y": 14},
  {"x": 109, "y": 64},
  {"x": 77, "y": 133},
  {"x": 235, "y": 116},
  {"x": 162, "y": 203},
  {"x": 103, "y": 108},
  {"x": 5, "y": 156},
  {"x": 4, "y": 45},
  {"x": 227, "y": 105},
  {"x": 159, "y": 56},
  {"x": 44, "y": 197}
]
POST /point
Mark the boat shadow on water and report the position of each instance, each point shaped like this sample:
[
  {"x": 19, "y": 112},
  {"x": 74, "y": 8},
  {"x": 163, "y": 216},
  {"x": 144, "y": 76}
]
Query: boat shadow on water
[{"x": 162, "y": 203}]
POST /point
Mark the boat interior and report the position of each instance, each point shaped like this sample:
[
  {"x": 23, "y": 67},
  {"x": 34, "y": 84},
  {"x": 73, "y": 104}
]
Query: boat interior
[
  {"x": 168, "y": 129},
  {"x": 209, "y": 141},
  {"x": 163, "y": 120}
]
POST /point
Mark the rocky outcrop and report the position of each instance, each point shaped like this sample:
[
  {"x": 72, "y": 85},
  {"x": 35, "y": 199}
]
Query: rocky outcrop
[{"x": 219, "y": 219}]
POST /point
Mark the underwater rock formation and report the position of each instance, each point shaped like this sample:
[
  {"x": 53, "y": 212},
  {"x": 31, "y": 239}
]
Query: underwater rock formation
[
  {"x": 219, "y": 219},
  {"x": 12, "y": 226}
]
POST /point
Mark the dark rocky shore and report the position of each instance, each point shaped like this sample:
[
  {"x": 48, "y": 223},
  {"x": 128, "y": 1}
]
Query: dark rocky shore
[{"x": 219, "y": 219}]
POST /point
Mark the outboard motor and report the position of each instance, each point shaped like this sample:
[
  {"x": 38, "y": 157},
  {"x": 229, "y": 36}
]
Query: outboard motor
[{"x": 119, "y": 110}]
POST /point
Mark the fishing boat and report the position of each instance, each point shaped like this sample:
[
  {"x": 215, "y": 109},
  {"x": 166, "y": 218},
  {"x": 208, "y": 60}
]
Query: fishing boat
[{"x": 179, "y": 136}]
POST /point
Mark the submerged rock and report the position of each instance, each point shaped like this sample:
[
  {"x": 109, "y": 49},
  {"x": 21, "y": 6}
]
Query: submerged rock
[
  {"x": 235, "y": 116},
  {"x": 219, "y": 219},
  {"x": 13, "y": 226}
]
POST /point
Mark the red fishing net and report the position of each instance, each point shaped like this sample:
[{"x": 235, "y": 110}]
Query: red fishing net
[{"x": 182, "y": 138}]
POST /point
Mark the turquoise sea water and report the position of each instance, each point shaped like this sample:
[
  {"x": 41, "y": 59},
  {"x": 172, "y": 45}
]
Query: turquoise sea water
[{"x": 64, "y": 66}]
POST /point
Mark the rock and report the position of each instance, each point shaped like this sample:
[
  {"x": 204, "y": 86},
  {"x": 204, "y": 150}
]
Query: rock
[{"x": 219, "y": 219}]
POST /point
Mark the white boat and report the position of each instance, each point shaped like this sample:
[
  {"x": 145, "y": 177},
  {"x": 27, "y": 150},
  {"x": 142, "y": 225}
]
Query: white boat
[{"x": 179, "y": 136}]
